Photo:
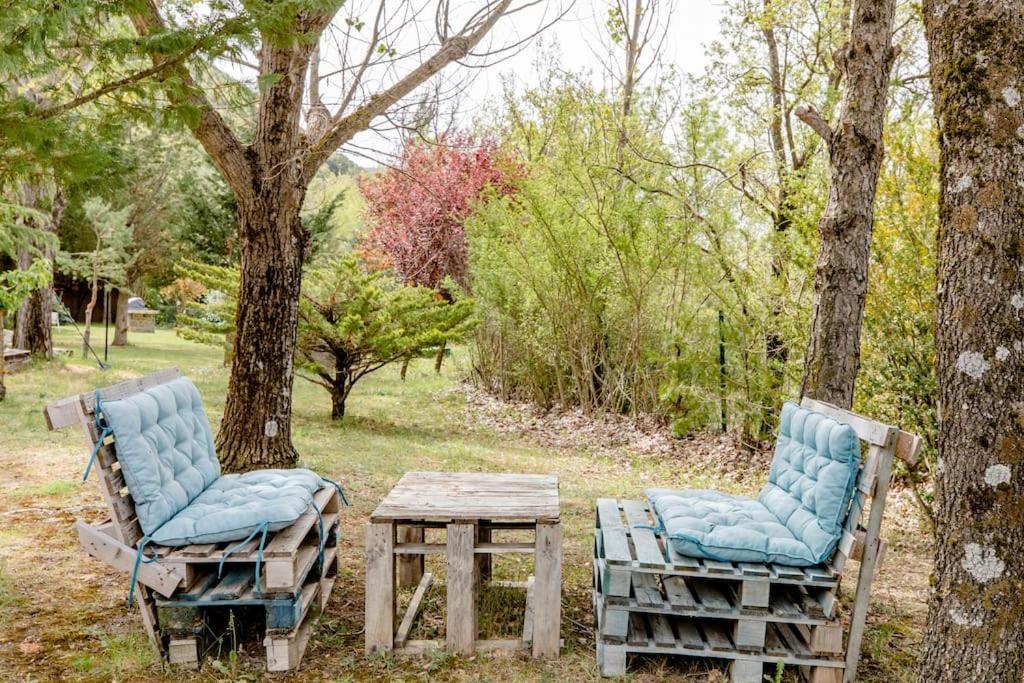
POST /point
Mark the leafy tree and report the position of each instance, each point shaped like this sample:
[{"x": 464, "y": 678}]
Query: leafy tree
[
  {"x": 353, "y": 322},
  {"x": 108, "y": 259},
  {"x": 417, "y": 210},
  {"x": 15, "y": 287}
]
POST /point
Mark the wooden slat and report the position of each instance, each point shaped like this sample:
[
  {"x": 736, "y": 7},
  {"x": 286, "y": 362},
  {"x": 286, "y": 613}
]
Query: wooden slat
[
  {"x": 689, "y": 636},
  {"x": 547, "y": 588},
  {"x": 409, "y": 619},
  {"x": 716, "y": 567},
  {"x": 608, "y": 514},
  {"x": 470, "y": 496},
  {"x": 460, "y": 631},
  {"x": 528, "y": 614},
  {"x": 717, "y": 637},
  {"x": 661, "y": 630},
  {"x": 235, "y": 582},
  {"x": 679, "y": 595},
  {"x": 907, "y": 447},
  {"x": 379, "y": 614},
  {"x": 871, "y": 431},
  {"x": 645, "y": 588},
  {"x": 645, "y": 544},
  {"x": 711, "y": 597},
  {"x": 637, "y": 634},
  {"x": 118, "y": 555},
  {"x": 616, "y": 546}
]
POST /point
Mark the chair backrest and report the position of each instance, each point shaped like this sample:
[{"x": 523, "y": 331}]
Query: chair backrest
[
  {"x": 80, "y": 409},
  {"x": 860, "y": 542}
]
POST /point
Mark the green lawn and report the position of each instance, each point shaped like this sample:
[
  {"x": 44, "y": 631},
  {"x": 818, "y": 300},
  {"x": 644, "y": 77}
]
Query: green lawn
[{"x": 63, "y": 615}]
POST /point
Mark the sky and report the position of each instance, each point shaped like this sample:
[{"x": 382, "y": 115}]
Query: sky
[{"x": 693, "y": 25}]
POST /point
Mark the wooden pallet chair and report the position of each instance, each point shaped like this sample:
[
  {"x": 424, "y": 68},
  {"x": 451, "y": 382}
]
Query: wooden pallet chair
[
  {"x": 650, "y": 599},
  {"x": 180, "y": 592}
]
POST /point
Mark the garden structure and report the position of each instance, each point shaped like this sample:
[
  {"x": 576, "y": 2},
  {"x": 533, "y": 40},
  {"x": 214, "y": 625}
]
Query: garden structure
[
  {"x": 471, "y": 508},
  {"x": 702, "y": 574},
  {"x": 209, "y": 555}
]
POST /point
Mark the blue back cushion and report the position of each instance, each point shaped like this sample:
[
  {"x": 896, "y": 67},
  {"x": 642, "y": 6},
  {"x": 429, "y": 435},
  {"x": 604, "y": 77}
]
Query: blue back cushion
[
  {"x": 165, "y": 448},
  {"x": 812, "y": 477}
]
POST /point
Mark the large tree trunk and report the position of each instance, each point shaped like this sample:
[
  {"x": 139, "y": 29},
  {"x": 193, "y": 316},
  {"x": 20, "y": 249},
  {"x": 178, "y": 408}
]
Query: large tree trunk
[
  {"x": 32, "y": 323},
  {"x": 975, "y": 617},
  {"x": 3, "y": 361},
  {"x": 855, "y": 156},
  {"x": 256, "y": 429},
  {"x": 121, "y": 318}
]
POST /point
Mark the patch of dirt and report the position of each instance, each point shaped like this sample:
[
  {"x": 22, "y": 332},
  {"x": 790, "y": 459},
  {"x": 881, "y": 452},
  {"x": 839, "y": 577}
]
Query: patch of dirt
[{"x": 611, "y": 435}]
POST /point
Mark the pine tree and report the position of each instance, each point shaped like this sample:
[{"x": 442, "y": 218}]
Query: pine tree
[
  {"x": 353, "y": 322},
  {"x": 208, "y": 314}
]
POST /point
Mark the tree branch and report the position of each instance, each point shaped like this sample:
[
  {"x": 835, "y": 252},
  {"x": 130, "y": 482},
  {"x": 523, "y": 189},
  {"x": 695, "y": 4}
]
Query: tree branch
[
  {"x": 809, "y": 115},
  {"x": 344, "y": 127},
  {"x": 212, "y": 132}
]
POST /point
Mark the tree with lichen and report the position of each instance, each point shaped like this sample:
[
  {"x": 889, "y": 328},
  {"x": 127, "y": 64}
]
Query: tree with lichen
[{"x": 975, "y": 618}]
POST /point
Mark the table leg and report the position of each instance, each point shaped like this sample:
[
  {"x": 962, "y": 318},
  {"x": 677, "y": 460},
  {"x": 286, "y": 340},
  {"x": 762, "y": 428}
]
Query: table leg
[
  {"x": 380, "y": 587},
  {"x": 410, "y": 567},
  {"x": 484, "y": 560},
  {"x": 460, "y": 633},
  {"x": 547, "y": 590}
]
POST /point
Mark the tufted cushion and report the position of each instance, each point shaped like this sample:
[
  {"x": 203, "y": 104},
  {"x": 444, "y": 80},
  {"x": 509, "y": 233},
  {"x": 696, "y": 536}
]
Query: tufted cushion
[
  {"x": 165, "y": 448},
  {"x": 236, "y": 505},
  {"x": 797, "y": 518}
]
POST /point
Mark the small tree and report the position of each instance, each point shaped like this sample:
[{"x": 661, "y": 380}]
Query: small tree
[
  {"x": 418, "y": 210},
  {"x": 15, "y": 287},
  {"x": 108, "y": 260},
  {"x": 353, "y": 322}
]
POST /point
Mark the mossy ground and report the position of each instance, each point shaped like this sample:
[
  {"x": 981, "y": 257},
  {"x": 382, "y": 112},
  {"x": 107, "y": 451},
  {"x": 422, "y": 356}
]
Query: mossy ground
[{"x": 63, "y": 615}]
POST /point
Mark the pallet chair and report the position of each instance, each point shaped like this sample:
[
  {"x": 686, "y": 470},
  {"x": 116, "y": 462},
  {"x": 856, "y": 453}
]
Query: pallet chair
[
  {"x": 649, "y": 598},
  {"x": 288, "y": 575}
]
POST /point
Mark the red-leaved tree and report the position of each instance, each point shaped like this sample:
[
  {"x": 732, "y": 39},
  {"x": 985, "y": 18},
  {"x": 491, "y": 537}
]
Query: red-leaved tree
[{"x": 417, "y": 210}]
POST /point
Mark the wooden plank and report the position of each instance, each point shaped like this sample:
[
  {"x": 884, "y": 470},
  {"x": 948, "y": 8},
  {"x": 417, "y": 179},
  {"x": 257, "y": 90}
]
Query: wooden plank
[
  {"x": 547, "y": 590},
  {"x": 689, "y": 636},
  {"x": 460, "y": 631},
  {"x": 183, "y": 652},
  {"x": 907, "y": 447},
  {"x": 679, "y": 595},
  {"x": 715, "y": 633},
  {"x": 711, "y": 597},
  {"x": 645, "y": 588},
  {"x": 284, "y": 653},
  {"x": 503, "y": 548},
  {"x": 114, "y": 553},
  {"x": 827, "y": 638},
  {"x": 411, "y": 612},
  {"x": 867, "y": 567},
  {"x": 661, "y": 629},
  {"x": 754, "y": 594},
  {"x": 867, "y": 430},
  {"x": 615, "y": 627},
  {"x": 749, "y": 634},
  {"x": 528, "y": 614},
  {"x": 287, "y": 541},
  {"x": 754, "y": 569},
  {"x": 410, "y": 567},
  {"x": 716, "y": 567},
  {"x": 379, "y": 614},
  {"x": 793, "y": 641},
  {"x": 616, "y": 546},
  {"x": 467, "y": 497},
  {"x": 608, "y": 514},
  {"x": 637, "y": 634},
  {"x": 235, "y": 582}
]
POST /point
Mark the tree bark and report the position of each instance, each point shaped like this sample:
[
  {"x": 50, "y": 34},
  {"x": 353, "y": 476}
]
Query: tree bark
[
  {"x": 975, "y": 617},
  {"x": 93, "y": 294},
  {"x": 439, "y": 357},
  {"x": 3, "y": 360},
  {"x": 855, "y": 149},
  {"x": 32, "y": 323},
  {"x": 121, "y": 318},
  {"x": 338, "y": 397}
]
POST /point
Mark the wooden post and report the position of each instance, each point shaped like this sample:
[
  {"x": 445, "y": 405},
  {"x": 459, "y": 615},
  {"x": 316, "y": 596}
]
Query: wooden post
[
  {"x": 484, "y": 560},
  {"x": 410, "y": 567},
  {"x": 547, "y": 590},
  {"x": 380, "y": 587},
  {"x": 460, "y": 633}
]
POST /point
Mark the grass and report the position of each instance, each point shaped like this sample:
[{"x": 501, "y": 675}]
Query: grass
[{"x": 63, "y": 615}]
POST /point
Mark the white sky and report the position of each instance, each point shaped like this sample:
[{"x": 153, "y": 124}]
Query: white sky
[{"x": 693, "y": 25}]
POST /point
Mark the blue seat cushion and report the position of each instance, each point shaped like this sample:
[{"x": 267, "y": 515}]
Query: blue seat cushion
[
  {"x": 797, "y": 518},
  {"x": 236, "y": 505},
  {"x": 165, "y": 449}
]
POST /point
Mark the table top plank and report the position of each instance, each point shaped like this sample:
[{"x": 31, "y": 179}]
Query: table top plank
[{"x": 445, "y": 496}]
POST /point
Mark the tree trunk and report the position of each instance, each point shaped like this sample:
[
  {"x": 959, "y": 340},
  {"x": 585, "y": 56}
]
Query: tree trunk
[
  {"x": 855, "y": 149},
  {"x": 405, "y": 368},
  {"x": 439, "y": 358},
  {"x": 256, "y": 429},
  {"x": 975, "y": 617},
  {"x": 93, "y": 294},
  {"x": 32, "y": 323},
  {"x": 338, "y": 397},
  {"x": 3, "y": 360},
  {"x": 121, "y": 318}
]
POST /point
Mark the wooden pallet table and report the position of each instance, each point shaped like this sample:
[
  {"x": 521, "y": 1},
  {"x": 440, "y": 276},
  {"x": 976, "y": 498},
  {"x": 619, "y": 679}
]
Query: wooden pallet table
[
  {"x": 650, "y": 599},
  {"x": 470, "y": 507},
  {"x": 181, "y": 592}
]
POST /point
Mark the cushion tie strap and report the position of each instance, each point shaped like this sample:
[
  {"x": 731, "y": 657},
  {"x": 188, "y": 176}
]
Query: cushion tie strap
[
  {"x": 341, "y": 491},
  {"x": 323, "y": 537},
  {"x": 262, "y": 528},
  {"x": 104, "y": 432},
  {"x": 139, "y": 559}
]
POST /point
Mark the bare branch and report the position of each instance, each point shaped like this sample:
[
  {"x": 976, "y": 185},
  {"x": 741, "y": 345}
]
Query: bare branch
[{"x": 809, "y": 115}]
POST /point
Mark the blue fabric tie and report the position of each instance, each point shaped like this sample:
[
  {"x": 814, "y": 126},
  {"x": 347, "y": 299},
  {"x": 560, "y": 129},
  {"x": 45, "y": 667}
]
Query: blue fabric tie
[
  {"x": 262, "y": 528},
  {"x": 104, "y": 432},
  {"x": 341, "y": 491},
  {"x": 139, "y": 559}
]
